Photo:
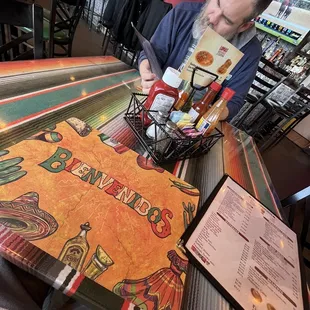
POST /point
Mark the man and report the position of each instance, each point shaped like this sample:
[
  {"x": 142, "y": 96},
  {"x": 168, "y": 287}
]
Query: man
[{"x": 232, "y": 19}]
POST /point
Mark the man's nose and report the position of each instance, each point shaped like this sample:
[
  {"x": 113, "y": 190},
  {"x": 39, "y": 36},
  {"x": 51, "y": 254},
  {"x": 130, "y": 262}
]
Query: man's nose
[{"x": 215, "y": 16}]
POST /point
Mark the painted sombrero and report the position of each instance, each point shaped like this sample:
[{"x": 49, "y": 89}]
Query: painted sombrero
[{"x": 23, "y": 216}]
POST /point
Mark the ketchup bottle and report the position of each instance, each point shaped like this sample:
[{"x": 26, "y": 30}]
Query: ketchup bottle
[{"x": 163, "y": 94}]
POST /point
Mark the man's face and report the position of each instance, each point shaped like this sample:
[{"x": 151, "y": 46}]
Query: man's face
[{"x": 227, "y": 17}]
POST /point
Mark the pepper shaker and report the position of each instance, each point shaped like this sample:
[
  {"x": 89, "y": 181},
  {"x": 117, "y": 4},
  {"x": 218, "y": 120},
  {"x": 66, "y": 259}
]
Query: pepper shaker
[{"x": 164, "y": 138}]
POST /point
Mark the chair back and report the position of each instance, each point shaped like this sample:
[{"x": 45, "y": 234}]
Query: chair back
[
  {"x": 297, "y": 106},
  {"x": 267, "y": 77},
  {"x": 284, "y": 92},
  {"x": 299, "y": 102},
  {"x": 76, "y": 14},
  {"x": 68, "y": 14},
  {"x": 286, "y": 116},
  {"x": 65, "y": 16},
  {"x": 14, "y": 44}
]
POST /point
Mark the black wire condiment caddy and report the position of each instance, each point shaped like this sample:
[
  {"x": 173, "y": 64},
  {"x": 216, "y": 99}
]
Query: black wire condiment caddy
[{"x": 166, "y": 147}]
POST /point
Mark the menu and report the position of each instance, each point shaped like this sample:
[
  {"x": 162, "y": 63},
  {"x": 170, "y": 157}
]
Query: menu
[
  {"x": 215, "y": 55},
  {"x": 248, "y": 251}
]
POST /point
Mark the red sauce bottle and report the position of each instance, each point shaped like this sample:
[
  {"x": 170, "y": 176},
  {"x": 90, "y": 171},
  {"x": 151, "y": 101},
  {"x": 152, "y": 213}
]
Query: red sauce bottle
[
  {"x": 163, "y": 94},
  {"x": 200, "y": 107}
]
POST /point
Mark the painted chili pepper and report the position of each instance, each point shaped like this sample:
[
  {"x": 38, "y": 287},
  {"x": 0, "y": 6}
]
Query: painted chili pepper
[
  {"x": 188, "y": 192},
  {"x": 181, "y": 185},
  {"x": 148, "y": 164}
]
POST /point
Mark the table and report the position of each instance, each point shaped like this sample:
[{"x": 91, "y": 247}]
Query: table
[{"x": 37, "y": 94}]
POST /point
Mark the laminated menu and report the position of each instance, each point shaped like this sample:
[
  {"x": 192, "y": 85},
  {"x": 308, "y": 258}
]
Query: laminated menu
[
  {"x": 213, "y": 54},
  {"x": 99, "y": 208},
  {"x": 250, "y": 255}
]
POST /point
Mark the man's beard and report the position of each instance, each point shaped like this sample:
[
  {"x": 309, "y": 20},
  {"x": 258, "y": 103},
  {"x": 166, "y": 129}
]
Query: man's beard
[{"x": 202, "y": 23}]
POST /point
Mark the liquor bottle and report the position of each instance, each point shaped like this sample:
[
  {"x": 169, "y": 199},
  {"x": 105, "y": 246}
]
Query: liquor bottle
[
  {"x": 276, "y": 54},
  {"x": 269, "y": 52},
  {"x": 211, "y": 118},
  {"x": 200, "y": 107},
  {"x": 75, "y": 250},
  {"x": 265, "y": 44}
]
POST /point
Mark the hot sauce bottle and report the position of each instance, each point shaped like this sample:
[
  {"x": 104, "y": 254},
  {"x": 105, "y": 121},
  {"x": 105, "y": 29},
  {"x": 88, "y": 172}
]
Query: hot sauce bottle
[
  {"x": 200, "y": 107},
  {"x": 183, "y": 96},
  {"x": 163, "y": 94},
  {"x": 211, "y": 118}
]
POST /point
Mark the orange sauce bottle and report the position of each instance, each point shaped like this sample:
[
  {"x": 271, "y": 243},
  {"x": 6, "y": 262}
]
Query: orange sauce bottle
[{"x": 211, "y": 118}]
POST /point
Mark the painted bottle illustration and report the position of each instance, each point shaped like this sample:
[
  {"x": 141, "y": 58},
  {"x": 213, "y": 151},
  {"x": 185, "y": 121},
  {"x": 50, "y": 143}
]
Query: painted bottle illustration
[{"x": 75, "y": 250}]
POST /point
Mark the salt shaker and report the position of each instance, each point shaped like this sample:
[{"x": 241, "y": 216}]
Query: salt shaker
[{"x": 160, "y": 118}]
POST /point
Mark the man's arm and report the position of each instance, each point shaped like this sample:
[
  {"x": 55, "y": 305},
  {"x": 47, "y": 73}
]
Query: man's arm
[
  {"x": 241, "y": 81},
  {"x": 161, "y": 42}
]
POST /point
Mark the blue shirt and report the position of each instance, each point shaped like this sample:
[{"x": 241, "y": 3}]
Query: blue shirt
[{"x": 171, "y": 41}]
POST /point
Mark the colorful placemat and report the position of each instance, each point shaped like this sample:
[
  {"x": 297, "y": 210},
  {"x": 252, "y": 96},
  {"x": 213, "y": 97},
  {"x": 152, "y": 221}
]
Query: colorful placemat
[{"x": 100, "y": 208}]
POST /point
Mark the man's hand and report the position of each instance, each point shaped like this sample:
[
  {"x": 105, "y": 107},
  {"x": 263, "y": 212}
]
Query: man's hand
[
  {"x": 224, "y": 114},
  {"x": 148, "y": 78}
]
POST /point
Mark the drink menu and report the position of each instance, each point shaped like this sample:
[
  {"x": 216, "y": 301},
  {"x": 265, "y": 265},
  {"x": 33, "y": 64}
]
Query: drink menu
[{"x": 250, "y": 253}]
